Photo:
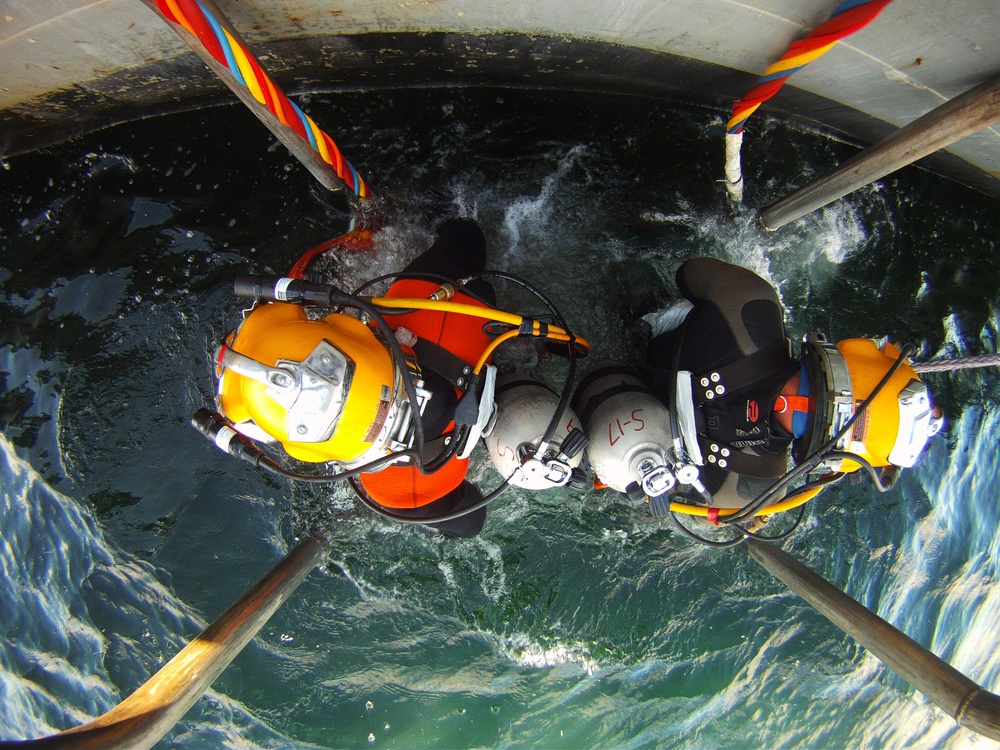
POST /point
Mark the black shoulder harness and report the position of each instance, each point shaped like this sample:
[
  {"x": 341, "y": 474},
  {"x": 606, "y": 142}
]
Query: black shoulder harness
[{"x": 718, "y": 384}]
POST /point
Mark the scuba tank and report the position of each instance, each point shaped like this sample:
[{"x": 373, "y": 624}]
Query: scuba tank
[
  {"x": 524, "y": 410},
  {"x": 628, "y": 432}
]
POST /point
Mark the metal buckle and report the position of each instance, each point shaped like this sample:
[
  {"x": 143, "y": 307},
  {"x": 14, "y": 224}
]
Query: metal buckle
[
  {"x": 917, "y": 423},
  {"x": 312, "y": 392}
]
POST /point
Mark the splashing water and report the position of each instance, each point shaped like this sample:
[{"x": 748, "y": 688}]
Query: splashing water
[{"x": 574, "y": 620}]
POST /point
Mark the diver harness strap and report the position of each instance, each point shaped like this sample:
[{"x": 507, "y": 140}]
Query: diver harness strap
[
  {"x": 717, "y": 383},
  {"x": 747, "y": 464},
  {"x": 435, "y": 357},
  {"x": 475, "y": 413},
  {"x": 628, "y": 382},
  {"x": 753, "y": 368}
]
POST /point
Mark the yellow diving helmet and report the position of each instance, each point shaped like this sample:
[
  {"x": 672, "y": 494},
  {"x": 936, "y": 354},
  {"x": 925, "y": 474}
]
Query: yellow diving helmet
[
  {"x": 895, "y": 427},
  {"x": 892, "y": 430},
  {"x": 326, "y": 388}
]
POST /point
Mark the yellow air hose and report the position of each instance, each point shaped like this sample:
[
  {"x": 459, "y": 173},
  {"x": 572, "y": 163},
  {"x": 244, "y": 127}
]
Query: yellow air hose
[
  {"x": 554, "y": 333},
  {"x": 795, "y": 502}
]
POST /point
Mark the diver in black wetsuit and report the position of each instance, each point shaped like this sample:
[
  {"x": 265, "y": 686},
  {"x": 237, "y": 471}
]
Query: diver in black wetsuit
[
  {"x": 724, "y": 400},
  {"x": 736, "y": 321}
]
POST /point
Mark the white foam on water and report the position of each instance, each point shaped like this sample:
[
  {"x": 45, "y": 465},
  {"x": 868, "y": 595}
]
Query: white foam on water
[
  {"x": 534, "y": 212},
  {"x": 58, "y": 570},
  {"x": 26, "y": 369},
  {"x": 493, "y": 577},
  {"x": 52, "y": 672},
  {"x": 526, "y": 651},
  {"x": 807, "y": 249}
]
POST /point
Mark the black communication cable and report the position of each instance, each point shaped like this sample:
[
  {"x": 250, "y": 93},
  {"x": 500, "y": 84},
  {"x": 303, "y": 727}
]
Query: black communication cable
[
  {"x": 720, "y": 543},
  {"x": 455, "y": 441},
  {"x": 777, "y": 537},
  {"x": 742, "y": 533},
  {"x": 459, "y": 287},
  {"x": 213, "y": 425},
  {"x": 567, "y": 391},
  {"x": 525, "y": 285},
  {"x": 865, "y": 464}
]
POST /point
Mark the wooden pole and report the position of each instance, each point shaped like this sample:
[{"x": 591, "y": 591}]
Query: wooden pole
[
  {"x": 967, "y": 113},
  {"x": 142, "y": 719},
  {"x": 967, "y": 703}
]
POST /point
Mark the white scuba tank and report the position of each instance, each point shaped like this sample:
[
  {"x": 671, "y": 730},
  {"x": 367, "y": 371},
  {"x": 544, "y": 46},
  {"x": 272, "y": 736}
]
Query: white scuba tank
[
  {"x": 524, "y": 410},
  {"x": 628, "y": 433}
]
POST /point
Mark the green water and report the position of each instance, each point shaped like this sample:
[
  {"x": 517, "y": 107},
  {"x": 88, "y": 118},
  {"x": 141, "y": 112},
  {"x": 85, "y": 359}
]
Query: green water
[{"x": 573, "y": 620}]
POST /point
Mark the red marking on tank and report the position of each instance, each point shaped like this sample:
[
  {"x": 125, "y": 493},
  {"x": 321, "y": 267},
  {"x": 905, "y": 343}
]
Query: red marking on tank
[{"x": 636, "y": 420}]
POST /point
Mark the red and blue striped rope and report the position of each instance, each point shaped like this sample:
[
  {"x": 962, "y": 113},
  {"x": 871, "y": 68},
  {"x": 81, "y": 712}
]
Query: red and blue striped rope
[
  {"x": 228, "y": 51},
  {"x": 848, "y": 17}
]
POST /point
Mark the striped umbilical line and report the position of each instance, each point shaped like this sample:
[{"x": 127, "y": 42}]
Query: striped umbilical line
[
  {"x": 848, "y": 17},
  {"x": 228, "y": 51}
]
